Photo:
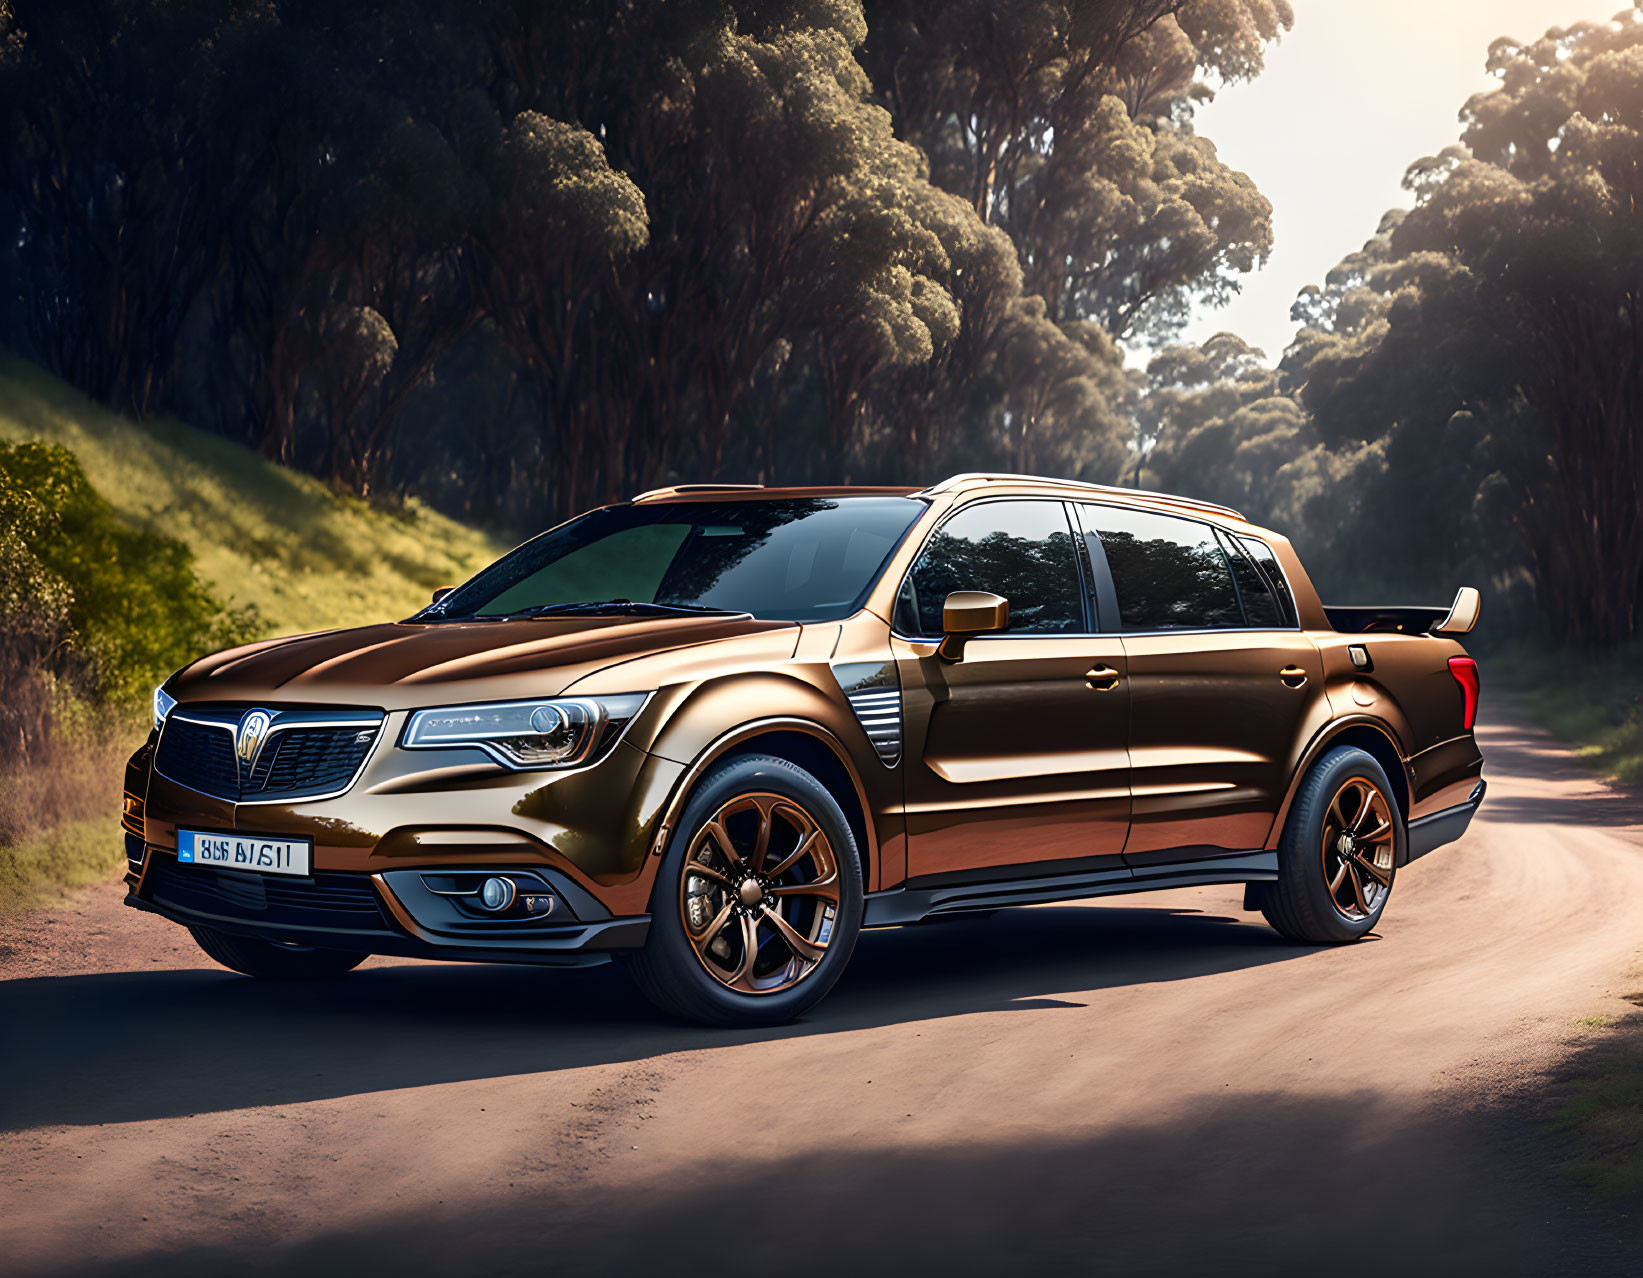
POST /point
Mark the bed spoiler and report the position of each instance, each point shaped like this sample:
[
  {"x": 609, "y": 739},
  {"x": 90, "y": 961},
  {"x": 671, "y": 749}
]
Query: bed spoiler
[{"x": 1457, "y": 619}]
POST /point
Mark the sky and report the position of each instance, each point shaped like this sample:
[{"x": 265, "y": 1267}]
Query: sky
[{"x": 1349, "y": 99}]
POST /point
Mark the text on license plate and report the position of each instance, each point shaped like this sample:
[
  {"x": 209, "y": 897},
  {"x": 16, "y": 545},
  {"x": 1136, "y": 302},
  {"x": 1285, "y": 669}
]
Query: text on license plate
[{"x": 244, "y": 852}]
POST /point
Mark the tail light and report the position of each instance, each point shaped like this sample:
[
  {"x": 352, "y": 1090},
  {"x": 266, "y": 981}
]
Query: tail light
[{"x": 1465, "y": 671}]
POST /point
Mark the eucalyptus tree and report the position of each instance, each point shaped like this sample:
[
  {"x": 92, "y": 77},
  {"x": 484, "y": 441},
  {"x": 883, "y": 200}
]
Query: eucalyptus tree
[
  {"x": 1487, "y": 343},
  {"x": 1068, "y": 123},
  {"x": 1213, "y": 422},
  {"x": 715, "y": 238},
  {"x": 339, "y": 158},
  {"x": 793, "y": 244},
  {"x": 106, "y": 232}
]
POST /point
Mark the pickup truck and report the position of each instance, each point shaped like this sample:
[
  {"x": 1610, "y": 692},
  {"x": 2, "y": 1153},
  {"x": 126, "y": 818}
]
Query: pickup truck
[{"x": 716, "y": 731}]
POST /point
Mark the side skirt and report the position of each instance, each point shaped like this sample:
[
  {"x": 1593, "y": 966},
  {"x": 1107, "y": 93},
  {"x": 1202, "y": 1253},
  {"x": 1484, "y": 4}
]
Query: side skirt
[{"x": 918, "y": 899}]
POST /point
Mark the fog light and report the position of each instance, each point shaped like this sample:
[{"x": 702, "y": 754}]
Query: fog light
[{"x": 496, "y": 895}]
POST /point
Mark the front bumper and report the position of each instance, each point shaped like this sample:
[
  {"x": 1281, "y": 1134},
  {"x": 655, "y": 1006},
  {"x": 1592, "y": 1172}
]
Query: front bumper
[
  {"x": 385, "y": 913},
  {"x": 591, "y": 827}
]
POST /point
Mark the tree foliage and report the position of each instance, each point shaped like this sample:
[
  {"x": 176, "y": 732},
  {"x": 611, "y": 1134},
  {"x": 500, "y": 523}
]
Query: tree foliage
[
  {"x": 1465, "y": 395},
  {"x": 1068, "y": 123},
  {"x": 1492, "y": 334},
  {"x": 523, "y": 255}
]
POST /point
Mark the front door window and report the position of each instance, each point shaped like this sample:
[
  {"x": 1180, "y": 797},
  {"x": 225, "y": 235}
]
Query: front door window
[{"x": 1020, "y": 550}]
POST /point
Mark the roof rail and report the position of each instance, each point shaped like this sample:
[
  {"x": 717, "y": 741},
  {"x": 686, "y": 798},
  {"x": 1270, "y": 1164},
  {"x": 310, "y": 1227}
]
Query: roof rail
[
  {"x": 679, "y": 490},
  {"x": 953, "y": 482}
]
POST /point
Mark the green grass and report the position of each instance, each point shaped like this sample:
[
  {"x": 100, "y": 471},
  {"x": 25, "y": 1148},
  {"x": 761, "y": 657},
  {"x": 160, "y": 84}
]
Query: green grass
[
  {"x": 308, "y": 558},
  {"x": 1597, "y": 1112},
  {"x": 48, "y": 865},
  {"x": 1594, "y": 702}
]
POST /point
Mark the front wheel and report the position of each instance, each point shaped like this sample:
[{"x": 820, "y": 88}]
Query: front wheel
[
  {"x": 758, "y": 901},
  {"x": 272, "y": 962},
  {"x": 1338, "y": 853}
]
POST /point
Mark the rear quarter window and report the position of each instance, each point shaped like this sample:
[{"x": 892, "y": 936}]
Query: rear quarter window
[
  {"x": 1267, "y": 562},
  {"x": 1261, "y": 605}
]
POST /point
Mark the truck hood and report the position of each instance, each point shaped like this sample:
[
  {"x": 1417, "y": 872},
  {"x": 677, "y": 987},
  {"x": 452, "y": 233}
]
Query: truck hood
[{"x": 402, "y": 666}]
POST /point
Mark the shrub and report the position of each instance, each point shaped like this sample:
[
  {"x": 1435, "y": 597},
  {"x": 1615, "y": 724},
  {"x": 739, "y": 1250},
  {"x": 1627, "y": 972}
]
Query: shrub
[{"x": 95, "y": 610}]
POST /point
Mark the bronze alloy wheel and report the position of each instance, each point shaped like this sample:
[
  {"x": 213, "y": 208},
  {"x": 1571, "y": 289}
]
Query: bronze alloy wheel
[
  {"x": 1358, "y": 849},
  {"x": 759, "y": 895}
]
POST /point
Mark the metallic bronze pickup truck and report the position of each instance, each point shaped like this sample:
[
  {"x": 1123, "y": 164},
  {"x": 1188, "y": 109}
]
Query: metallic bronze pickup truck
[{"x": 715, "y": 731}]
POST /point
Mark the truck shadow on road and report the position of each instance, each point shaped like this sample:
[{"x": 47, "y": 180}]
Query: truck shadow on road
[
  {"x": 1267, "y": 1184},
  {"x": 126, "y": 1046}
]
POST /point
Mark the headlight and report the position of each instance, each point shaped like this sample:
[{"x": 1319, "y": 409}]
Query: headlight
[
  {"x": 163, "y": 701},
  {"x": 556, "y": 733}
]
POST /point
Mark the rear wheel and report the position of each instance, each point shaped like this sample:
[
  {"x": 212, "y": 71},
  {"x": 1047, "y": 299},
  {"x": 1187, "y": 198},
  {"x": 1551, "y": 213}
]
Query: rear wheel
[
  {"x": 758, "y": 901},
  {"x": 1338, "y": 853},
  {"x": 274, "y": 962}
]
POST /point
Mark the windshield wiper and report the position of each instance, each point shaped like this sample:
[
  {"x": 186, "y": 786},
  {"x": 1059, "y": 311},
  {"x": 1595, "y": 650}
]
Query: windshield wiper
[{"x": 624, "y": 607}]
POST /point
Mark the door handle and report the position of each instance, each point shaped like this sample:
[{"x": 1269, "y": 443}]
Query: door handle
[
  {"x": 1102, "y": 678},
  {"x": 1293, "y": 677}
]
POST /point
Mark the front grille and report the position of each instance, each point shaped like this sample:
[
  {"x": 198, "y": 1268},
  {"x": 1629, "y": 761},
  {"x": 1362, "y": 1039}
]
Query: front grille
[
  {"x": 304, "y": 754},
  {"x": 322, "y": 902},
  {"x": 308, "y": 760},
  {"x": 200, "y": 756}
]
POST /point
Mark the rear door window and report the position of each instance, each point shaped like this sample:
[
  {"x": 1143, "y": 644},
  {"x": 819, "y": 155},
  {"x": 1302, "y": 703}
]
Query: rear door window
[
  {"x": 1022, "y": 550},
  {"x": 1170, "y": 573}
]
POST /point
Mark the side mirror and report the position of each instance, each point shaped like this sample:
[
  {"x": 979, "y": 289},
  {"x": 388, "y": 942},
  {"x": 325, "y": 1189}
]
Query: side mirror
[
  {"x": 970, "y": 612},
  {"x": 1463, "y": 613},
  {"x": 442, "y": 592}
]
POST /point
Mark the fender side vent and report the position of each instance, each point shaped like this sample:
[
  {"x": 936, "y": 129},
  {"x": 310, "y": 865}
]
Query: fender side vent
[
  {"x": 880, "y": 715},
  {"x": 874, "y": 693}
]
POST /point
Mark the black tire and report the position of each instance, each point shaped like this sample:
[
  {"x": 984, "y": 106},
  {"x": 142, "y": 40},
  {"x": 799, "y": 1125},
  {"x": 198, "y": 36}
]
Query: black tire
[
  {"x": 270, "y": 962},
  {"x": 680, "y": 976},
  {"x": 1302, "y": 905}
]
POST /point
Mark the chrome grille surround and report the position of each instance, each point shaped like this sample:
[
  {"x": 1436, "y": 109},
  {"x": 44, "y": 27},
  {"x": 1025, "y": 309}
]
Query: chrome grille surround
[{"x": 307, "y": 754}]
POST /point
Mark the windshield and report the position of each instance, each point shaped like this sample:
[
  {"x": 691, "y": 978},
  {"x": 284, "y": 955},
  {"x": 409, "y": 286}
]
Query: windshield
[{"x": 789, "y": 559}]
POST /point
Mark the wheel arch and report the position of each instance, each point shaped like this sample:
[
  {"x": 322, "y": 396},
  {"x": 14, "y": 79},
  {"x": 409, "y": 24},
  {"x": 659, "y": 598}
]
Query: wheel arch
[
  {"x": 800, "y": 742},
  {"x": 1367, "y": 734}
]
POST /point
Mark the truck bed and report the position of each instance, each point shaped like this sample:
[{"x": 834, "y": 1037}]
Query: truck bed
[{"x": 1408, "y": 619}]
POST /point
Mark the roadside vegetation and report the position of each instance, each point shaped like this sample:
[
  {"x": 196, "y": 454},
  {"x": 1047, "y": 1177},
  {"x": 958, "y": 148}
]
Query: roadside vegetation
[
  {"x": 126, "y": 551},
  {"x": 1594, "y": 703},
  {"x": 303, "y": 555},
  {"x": 1596, "y": 1112}
]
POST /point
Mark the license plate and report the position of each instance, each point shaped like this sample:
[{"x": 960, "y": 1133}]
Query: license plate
[{"x": 244, "y": 852}]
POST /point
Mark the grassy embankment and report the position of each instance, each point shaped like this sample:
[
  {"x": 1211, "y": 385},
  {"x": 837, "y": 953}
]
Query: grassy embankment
[
  {"x": 308, "y": 558},
  {"x": 1595, "y": 1109},
  {"x": 1595, "y": 703}
]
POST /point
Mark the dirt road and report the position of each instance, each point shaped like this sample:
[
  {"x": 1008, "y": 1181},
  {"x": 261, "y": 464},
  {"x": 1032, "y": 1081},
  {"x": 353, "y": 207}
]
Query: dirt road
[{"x": 1147, "y": 1084}]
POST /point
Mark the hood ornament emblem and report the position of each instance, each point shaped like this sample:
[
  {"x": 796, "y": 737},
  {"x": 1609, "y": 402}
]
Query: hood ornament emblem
[{"x": 249, "y": 737}]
